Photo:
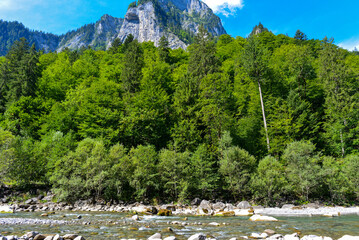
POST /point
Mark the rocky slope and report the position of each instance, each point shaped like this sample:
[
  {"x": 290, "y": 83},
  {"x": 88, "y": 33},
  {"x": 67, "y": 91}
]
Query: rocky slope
[{"x": 148, "y": 20}]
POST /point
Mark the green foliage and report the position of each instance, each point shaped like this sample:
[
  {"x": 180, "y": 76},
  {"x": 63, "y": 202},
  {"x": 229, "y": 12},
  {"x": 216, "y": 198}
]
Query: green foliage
[
  {"x": 270, "y": 181},
  {"x": 153, "y": 124}
]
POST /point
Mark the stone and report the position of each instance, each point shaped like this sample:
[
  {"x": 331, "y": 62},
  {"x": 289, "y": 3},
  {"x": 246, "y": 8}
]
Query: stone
[
  {"x": 198, "y": 236},
  {"x": 196, "y": 202},
  {"x": 49, "y": 238},
  {"x": 205, "y": 208},
  {"x": 31, "y": 234},
  {"x": 348, "y": 237},
  {"x": 312, "y": 205},
  {"x": 164, "y": 212},
  {"x": 70, "y": 236},
  {"x": 275, "y": 237},
  {"x": 255, "y": 235},
  {"x": 171, "y": 238},
  {"x": 233, "y": 239},
  {"x": 135, "y": 218},
  {"x": 294, "y": 236},
  {"x": 6, "y": 209},
  {"x": 243, "y": 212},
  {"x": 225, "y": 214},
  {"x": 79, "y": 238},
  {"x": 57, "y": 237},
  {"x": 11, "y": 237},
  {"x": 155, "y": 236},
  {"x": 219, "y": 206},
  {"x": 258, "y": 218},
  {"x": 214, "y": 224},
  {"x": 288, "y": 206},
  {"x": 243, "y": 205},
  {"x": 269, "y": 232},
  {"x": 39, "y": 237},
  {"x": 79, "y": 217}
]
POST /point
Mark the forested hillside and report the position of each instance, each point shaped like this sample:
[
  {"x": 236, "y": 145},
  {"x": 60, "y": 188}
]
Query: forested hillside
[{"x": 151, "y": 124}]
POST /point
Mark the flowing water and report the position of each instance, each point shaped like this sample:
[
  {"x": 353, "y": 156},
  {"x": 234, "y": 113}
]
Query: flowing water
[{"x": 118, "y": 225}]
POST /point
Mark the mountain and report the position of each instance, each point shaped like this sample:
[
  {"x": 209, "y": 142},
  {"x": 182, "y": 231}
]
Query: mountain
[
  {"x": 12, "y": 31},
  {"x": 146, "y": 20}
]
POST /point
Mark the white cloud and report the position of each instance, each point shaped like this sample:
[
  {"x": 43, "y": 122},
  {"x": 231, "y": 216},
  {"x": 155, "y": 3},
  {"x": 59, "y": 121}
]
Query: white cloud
[
  {"x": 225, "y": 7},
  {"x": 13, "y": 5},
  {"x": 350, "y": 44}
]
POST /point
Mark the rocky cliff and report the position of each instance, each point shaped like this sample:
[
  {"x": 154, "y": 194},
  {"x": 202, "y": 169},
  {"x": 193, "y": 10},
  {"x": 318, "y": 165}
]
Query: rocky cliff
[{"x": 147, "y": 20}]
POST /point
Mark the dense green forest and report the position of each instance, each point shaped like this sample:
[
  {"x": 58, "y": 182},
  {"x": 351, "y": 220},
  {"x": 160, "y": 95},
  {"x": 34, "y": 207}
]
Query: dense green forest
[{"x": 268, "y": 117}]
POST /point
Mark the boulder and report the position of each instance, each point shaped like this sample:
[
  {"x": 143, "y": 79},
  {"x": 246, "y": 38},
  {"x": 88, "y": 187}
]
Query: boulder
[
  {"x": 79, "y": 238},
  {"x": 294, "y": 236},
  {"x": 31, "y": 234},
  {"x": 49, "y": 238},
  {"x": 171, "y": 238},
  {"x": 333, "y": 214},
  {"x": 243, "y": 205},
  {"x": 198, "y": 236},
  {"x": 39, "y": 237},
  {"x": 164, "y": 212},
  {"x": 225, "y": 214},
  {"x": 214, "y": 224},
  {"x": 243, "y": 212},
  {"x": 312, "y": 205},
  {"x": 270, "y": 232},
  {"x": 219, "y": 206},
  {"x": 275, "y": 237},
  {"x": 205, "y": 208},
  {"x": 259, "y": 218},
  {"x": 6, "y": 209},
  {"x": 196, "y": 202},
  {"x": 57, "y": 237},
  {"x": 155, "y": 236},
  {"x": 70, "y": 236},
  {"x": 135, "y": 218}
]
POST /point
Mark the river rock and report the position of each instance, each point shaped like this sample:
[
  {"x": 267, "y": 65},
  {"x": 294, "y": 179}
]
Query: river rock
[
  {"x": 243, "y": 212},
  {"x": 31, "y": 234},
  {"x": 198, "y": 236},
  {"x": 79, "y": 238},
  {"x": 257, "y": 218},
  {"x": 243, "y": 205},
  {"x": 293, "y": 236},
  {"x": 205, "y": 208},
  {"x": 155, "y": 236},
  {"x": 39, "y": 237},
  {"x": 57, "y": 237},
  {"x": 233, "y": 238},
  {"x": 6, "y": 209},
  {"x": 214, "y": 224},
  {"x": 269, "y": 232},
  {"x": 171, "y": 238},
  {"x": 219, "y": 206},
  {"x": 225, "y": 214},
  {"x": 11, "y": 237},
  {"x": 49, "y": 238},
  {"x": 70, "y": 236},
  {"x": 135, "y": 218},
  {"x": 348, "y": 237},
  {"x": 275, "y": 237}
]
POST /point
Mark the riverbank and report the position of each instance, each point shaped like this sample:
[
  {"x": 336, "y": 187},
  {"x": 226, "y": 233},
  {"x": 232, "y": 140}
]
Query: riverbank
[{"x": 197, "y": 208}]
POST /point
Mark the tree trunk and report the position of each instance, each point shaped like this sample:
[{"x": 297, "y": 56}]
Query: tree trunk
[
  {"x": 264, "y": 114},
  {"x": 342, "y": 142}
]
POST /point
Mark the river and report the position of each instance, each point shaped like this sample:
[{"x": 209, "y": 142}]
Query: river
[{"x": 105, "y": 225}]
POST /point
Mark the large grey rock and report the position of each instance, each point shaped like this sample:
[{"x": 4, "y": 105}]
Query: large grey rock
[
  {"x": 243, "y": 205},
  {"x": 198, "y": 236},
  {"x": 31, "y": 234},
  {"x": 79, "y": 238},
  {"x": 70, "y": 236},
  {"x": 49, "y": 238},
  {"x": 155, "y": 236},
  {"x": 170, "y": 238},
  {"x": 205, "y": 207},
  {"x": 57, "y": 237},
  {"x": 219, "y": 206}
]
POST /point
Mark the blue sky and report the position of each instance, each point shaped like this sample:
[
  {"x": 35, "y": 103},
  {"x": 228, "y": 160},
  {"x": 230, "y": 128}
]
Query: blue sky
[{"x": 316, "y": 18}]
